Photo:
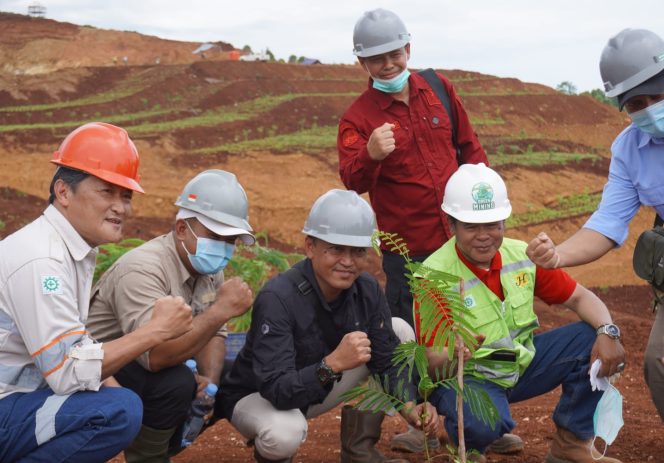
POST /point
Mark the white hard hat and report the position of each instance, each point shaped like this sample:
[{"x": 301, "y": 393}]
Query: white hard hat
[{"x": 475, "y": 193}]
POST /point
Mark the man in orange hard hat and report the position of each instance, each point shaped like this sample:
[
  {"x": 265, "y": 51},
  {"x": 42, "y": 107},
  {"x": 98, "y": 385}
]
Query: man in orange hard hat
[{"x": 58, "y": 399}]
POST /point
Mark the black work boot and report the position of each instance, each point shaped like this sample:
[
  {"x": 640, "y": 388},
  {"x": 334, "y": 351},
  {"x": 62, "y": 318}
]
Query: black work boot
[{"x": 360, "y": 430}]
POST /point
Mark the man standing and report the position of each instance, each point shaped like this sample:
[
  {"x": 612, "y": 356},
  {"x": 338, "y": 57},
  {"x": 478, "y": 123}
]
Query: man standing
[
  {"x": 397, "y": 142},
  {"x": 512, "y": 364},
  {"x": 632, "y": 69},
  {"x": 53, "y": 405},
  {"x": 317, "y": 331},
  {"x": 188, "y": 262}
]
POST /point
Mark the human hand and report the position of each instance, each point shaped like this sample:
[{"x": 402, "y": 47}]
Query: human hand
[
  {"x": 612, "y": 354},
  {"x": 234, "y": 297},
  {"x": 381, "y": 142},
  {"x": 423, "y": 416},
  {"x": 201, "y": 384},
  {"x": 542, "y": 251},
  {"x": 353, "y": 350},
  {"x": 171, "y": 317}
]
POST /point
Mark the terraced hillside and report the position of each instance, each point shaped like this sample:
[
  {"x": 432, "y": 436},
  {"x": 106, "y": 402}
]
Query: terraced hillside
[{"x": 274, "y": 125}]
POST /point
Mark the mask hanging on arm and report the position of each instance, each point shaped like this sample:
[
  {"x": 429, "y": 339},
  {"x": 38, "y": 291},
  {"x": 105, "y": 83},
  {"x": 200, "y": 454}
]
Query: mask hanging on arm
[
  {"x": 650, "y": 119},
  {"x": 393, "y": 85},
  {"x": 211, "y": 256},
  {"x": 608, "y": 419}
]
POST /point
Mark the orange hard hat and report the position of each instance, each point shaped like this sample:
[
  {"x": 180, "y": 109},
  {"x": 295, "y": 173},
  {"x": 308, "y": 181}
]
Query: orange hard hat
[{"x": 102, "y": 150}]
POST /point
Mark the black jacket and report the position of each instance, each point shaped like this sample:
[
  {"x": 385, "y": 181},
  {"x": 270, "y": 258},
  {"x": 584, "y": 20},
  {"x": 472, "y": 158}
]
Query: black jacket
[{"x": 285, "y": 344}]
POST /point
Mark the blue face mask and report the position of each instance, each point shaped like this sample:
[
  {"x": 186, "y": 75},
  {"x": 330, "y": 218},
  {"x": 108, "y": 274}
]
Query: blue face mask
[
  {"x": 211, "y": 256},
  {"x": 393, "y": 85},
  {"x": 608, "y": 419},
  {"x": 650, "y": 119}
]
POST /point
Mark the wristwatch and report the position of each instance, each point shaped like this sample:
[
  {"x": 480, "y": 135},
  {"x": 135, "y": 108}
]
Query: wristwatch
[
  {"x": 325, "y": 374},
  {"x": 610, "y": 330}
]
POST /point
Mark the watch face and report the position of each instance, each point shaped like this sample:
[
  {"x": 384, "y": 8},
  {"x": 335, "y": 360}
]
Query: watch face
[{"x": 612, "y": 330}]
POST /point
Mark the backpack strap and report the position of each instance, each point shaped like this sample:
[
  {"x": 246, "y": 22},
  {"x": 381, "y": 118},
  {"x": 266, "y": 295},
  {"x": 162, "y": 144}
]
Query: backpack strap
[
  {"x": 658, "y": 221},
  {"x": 441, "y": 92},
  {"x": 323, "y": 317}
]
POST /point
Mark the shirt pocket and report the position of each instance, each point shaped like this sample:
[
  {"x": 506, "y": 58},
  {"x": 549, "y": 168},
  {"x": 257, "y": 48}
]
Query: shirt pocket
[
  {"x": 488, "y": 322},
  {"x": 522, "y": 310},
  {"x": 653, "y": 196}
]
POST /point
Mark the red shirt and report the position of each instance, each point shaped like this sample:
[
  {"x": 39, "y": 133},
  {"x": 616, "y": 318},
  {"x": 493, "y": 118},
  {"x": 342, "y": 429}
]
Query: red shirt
[
  {"x": 552, "y": 286},
  {"x": 406, "y": 188}
]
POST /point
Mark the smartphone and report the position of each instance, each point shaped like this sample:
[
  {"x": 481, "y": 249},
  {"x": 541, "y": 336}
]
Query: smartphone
[{"x": 505, "y": 356}]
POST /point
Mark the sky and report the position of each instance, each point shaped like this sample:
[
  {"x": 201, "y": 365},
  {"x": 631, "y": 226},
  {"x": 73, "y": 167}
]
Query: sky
[{"x": 546, "y": 42}]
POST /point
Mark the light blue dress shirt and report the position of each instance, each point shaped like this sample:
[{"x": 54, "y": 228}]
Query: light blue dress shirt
[{"x": 636, "y": 177}]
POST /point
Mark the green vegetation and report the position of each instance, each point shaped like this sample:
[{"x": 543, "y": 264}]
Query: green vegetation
[
  {"x": 109, "y": 253},
  {"x": 540, "y": 158},
  {"x": 566, "y": 87},
  {"x": 600, "y": 96},
  {"x": 255, "y": 265},
  {"x": 486, "y": 120},
  {"x": 312, "y": 140},
  {"x": 2, "y": 225},
  {"x": 565, "y": 206},
  {"x": 91, "y": 100}
]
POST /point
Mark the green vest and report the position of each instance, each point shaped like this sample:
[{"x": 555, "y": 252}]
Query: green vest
[{"x": 508, "y": 325}]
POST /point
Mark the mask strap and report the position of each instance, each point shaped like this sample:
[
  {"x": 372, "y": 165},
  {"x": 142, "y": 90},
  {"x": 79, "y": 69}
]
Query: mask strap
[
  {"x": 592, "y": 446},
  {"x": 182, "y": 241}
]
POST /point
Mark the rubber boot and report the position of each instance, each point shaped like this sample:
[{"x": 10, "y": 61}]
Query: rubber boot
[
  {"x": 567, "y": 448},
  {"x": 261, "y": 459},
  {"x": 360, "y": 430},
  {"x": 412, "y": 441},
  {"x": 150, "y": 446}
]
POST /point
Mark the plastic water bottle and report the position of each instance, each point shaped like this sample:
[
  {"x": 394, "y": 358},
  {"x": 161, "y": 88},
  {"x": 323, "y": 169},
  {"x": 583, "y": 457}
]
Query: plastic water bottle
[
  {"x": 191, "y": 364},
  {"x": 199, "y": 408}
]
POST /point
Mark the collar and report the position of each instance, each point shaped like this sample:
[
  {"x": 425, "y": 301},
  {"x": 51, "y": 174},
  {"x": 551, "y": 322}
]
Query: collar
[
  {"x": 644, "y": 138},
  {"x": 496, "y": 262},
  {"x": 78, "y": 248},
  {"x": 307, "y": 270}
]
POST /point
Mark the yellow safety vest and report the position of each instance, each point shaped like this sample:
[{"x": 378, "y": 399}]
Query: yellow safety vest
[{"x": 508, "y": 325}]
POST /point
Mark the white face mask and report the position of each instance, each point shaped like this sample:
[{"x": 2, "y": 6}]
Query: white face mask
[{"x": 608, "y": 418}]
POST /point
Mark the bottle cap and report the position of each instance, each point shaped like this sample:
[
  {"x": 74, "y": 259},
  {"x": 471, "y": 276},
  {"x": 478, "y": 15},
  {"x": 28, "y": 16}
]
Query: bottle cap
[
  {"x": 191, "y": 364},
  {"x": 211, "y": 389}
]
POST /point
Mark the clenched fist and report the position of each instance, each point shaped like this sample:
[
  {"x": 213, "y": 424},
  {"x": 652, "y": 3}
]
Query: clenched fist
[
  {"x": 234, "y": 297},
  {"x": 353, "y": 350},
  {"x": 171, "y": 317},
  {"x": 381, "y": 142},
  {"x": 543, "y": 252}
]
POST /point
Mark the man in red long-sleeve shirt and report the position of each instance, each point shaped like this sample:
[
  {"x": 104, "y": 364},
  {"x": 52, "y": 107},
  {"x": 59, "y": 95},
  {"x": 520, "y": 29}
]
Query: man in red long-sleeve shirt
[{"x": 396, "y": 142}]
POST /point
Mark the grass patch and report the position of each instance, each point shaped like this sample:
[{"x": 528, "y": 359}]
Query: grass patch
[
  {"x": 91, "y": 100},
  {"x": 314, "y": 139},
  {"x": 565, "y": 206},
  {"x": 486, "y": 121},
  {"x": 2, "y": 225},
  {"x": 540, "y": 158}
]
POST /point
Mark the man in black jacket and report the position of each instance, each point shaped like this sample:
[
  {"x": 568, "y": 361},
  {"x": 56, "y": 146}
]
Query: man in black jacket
[{"x": 317, "y": 331}]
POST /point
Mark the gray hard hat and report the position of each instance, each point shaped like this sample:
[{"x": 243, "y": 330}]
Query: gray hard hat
[
  {"x": 217, "y": 195},
  {"x": 341, "y": 217},
  {"x": 629, "y": 59},
  {"x": 378, "y": 31}
]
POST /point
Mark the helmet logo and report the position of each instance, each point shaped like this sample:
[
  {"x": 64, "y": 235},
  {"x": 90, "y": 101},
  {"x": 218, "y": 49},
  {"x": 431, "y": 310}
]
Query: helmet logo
[{"x": 482, "y": 194}]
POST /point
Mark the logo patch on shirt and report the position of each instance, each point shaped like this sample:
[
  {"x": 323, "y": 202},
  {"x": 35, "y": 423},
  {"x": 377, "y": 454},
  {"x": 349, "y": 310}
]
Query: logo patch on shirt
[
  {"x": 469, "y": 301},
  {"x": 349, "y": 134},
  {"x": 265, "y": 328},
  {"x": 521, "y": 279},
  {"x": 51, "y": 284}
]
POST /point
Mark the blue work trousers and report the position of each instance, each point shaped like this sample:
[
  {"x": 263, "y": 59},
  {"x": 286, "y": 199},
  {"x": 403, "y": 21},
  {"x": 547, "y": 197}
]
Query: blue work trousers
[
  {"x": 562, "y": 357},
  {"x": 86, "y": 426}
]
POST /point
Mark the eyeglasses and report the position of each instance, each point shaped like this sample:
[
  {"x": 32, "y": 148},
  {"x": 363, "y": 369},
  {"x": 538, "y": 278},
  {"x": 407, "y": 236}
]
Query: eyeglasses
[{"x": 337, "y": 251}]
